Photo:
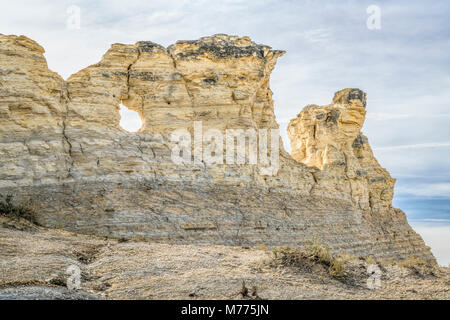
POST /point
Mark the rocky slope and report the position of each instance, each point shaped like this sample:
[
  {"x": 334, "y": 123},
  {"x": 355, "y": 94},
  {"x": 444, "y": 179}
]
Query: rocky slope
[
  {"x": 63, "y": 150},
  {"x": 34, "y": 263}
]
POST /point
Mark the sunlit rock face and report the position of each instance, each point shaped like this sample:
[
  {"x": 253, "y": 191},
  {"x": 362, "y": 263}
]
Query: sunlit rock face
[
  {"x": 330, "y": 139},
  {"x": 63, "y": 149}
]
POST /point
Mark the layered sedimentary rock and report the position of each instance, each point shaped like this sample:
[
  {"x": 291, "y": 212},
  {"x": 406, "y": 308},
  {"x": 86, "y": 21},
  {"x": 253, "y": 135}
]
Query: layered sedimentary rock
[
  {"x": 62, "y": 149},
  {"x": 330, "y": 139}
]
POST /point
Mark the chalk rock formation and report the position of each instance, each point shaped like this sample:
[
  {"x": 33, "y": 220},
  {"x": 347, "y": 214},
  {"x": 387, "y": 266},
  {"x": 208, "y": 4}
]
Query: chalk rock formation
[
  {"x": 330, "y": 139},
  {"x": 62, "y": 149}
]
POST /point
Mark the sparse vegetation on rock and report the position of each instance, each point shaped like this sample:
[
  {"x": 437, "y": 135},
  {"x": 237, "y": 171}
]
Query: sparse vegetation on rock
[
  {"x": 18, "y": 211},
  {"x": 315, "y": 252}
]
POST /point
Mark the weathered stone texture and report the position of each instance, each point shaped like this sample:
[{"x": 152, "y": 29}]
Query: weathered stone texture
[
  {"x": 330, "y": 139},
  {"x": 62, "y": 148}
]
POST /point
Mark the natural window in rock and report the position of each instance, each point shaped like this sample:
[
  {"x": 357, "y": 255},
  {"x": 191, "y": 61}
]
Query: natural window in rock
[{"x": 129, "y": 120}]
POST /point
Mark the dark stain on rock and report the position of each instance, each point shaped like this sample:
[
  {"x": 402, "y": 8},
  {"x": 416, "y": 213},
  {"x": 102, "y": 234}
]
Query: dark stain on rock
[
  {"x": 210, "y": 81},
  {"x": 377, "y": 179},
  {"x": 145, "y": 76},
  {"x": 361, "y": 173},
  {"x": 149, "y": 46},
  {"x": 332, "y": 117},
  {"x": 223, "y": 48},
  {"x": 320, "y": 116},
  {"x": 120, "y": 73},
  {"x": 359, "y": 142}
]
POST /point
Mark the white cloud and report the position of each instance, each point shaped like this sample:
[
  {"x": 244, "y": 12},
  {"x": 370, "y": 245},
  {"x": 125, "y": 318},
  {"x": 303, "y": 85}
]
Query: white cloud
[
  {"x": 438, "y": 189},
  {"x": 416, "y": 146},
  {"x": 384, "y": 116},
  {"x": 321, "y": 35}
]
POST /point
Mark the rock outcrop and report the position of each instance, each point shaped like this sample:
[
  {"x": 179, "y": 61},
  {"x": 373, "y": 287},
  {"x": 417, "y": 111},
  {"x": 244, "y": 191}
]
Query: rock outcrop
[
  {"x": 62, "y": 149},
  {"x": 330, "y": 139}
]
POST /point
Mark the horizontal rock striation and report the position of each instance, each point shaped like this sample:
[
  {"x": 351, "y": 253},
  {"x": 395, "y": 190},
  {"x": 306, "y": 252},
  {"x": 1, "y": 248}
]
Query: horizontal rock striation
[{"x": 62, "y": 148}]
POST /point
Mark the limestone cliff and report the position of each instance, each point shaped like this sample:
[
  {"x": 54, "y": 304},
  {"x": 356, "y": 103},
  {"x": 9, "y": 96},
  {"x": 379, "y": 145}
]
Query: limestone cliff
[{"x": 62, "y": 148}]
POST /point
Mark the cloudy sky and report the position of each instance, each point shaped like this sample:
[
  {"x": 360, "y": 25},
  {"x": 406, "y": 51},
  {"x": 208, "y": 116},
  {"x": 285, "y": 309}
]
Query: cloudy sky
[{"x": 404, "y": 67}]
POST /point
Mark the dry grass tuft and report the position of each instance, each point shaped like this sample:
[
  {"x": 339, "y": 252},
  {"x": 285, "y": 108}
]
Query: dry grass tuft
[
  {"x": 316, "y": 252},
  {"x": 418, "y": 266},
  {"x": 370, "y": 260},
  {"x": 16, "y": 211}
]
